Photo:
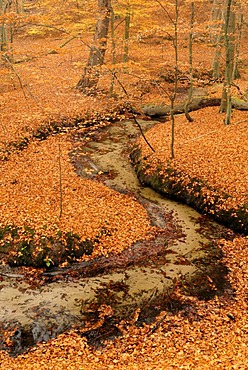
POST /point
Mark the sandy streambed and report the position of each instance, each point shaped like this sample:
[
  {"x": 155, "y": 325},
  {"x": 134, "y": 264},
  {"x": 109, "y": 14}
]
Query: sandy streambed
[{"x": 31, "y": 315}]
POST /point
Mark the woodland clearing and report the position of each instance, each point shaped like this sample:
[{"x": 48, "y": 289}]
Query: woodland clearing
[{"x": 40, "y": 112}]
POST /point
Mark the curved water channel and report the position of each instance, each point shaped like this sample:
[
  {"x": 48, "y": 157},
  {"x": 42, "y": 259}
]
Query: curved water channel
[{"x": 37, "y": 314}]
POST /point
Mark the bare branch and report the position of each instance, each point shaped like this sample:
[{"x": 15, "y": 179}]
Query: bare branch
[
  {"x": 22, "y": 83},
  {"x": 166, "y": 11}
]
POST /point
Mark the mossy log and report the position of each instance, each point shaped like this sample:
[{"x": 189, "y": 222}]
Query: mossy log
[
  {"x": 48, "y": 252},
  {"x": 197, "y": 103},
  {"x": 239, "y": 104}
]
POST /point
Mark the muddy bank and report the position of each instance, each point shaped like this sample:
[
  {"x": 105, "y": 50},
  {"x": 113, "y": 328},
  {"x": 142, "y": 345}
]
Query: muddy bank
[{"x": 114, "y": 287}]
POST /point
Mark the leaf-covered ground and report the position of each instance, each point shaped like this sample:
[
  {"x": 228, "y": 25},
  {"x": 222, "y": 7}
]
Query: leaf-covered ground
[
  {"x": 204, "y": 335},
  {"x": 210, "y": 160},
  {"x": 36, "y": 196},
  {"x": 40, "y": 91},
  {"x": 207, "y": 149}
]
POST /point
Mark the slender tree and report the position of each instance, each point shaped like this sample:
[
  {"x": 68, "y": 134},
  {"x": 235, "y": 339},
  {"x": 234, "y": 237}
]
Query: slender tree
[
  {"x": 186, "y": 107},
  {"x": 229, "y": 37},
  {"x": 174, "y": 94},
  {"x": 217, "y": 34},
  {"x": 227, "y": 17},
  {"x": 6, "y": 25},
  {"x": 126, "y": 33},
  {"x": 4, "y": 31},
  {"x": 113, "y": 51},
  {"x": 174, "y": 37},
  {"x": 239, "y": 25}
]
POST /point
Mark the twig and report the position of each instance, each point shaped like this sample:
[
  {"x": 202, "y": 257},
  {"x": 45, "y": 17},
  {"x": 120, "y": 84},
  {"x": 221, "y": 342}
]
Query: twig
[
  {"x": 12, "y": 276},
  {"x": 47, "y": 26},
  {"x": 67, "y": 41},
  {"x": 166, "y": 11},
  {"x": 142, "y": 133},
  {"x": 237, "y": 87},
  {"x": 158, "y": 323},
  {"x": 60, "y": 185},
  {"x": 210, "y": 132},
  {"x": 133, "y": 115},
  {"x": 22, "y": 83},
  {"x": 159, "y": 86}
]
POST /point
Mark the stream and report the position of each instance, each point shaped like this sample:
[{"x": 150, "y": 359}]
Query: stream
[{"x": 31, "y": 315}]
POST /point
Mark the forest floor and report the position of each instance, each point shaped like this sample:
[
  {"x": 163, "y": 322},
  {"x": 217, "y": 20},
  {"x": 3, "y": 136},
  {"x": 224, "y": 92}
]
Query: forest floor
[{"x": 37, "y": 92}]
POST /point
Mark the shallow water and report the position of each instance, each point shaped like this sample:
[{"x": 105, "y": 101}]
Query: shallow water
[{"x": 40, "y": 313}]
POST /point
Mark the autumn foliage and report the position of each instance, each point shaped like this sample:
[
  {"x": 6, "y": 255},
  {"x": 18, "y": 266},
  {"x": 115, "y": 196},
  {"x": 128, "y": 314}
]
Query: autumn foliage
[
  {"x": 47, "y": 212},
  {"x": 209, "y": 170}
]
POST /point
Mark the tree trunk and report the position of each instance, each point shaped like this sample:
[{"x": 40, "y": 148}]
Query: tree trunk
[
  {"x": 4, "y": 39},
  {"x": 238, "y": 42},
  {"x": 126, "y": 34},
  {"x": 113, "y": 51},
  {"x": 216, "y": 34},
  {"x": 186, "y": 108},
  {"x": 229, "y": 37},
  {"x": 91, "y": 74},
  {"x": 174, "y": 94},
  {"x": 215, "y": 18}
]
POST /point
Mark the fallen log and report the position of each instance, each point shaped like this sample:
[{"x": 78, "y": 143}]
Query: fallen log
[
  {"x": 239, "y": 104},
  {"x": 154, "y": 110}
]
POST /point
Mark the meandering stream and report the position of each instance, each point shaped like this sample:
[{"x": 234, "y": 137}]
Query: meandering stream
[{"x": 33, "y": 315}]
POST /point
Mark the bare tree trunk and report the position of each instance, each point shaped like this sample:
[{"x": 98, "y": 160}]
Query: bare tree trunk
[
  {"x": 229, "y": 37},
  {"x": 215, "y": 18},
  {"x": 217, "y": 34},
  {"x": 188, "y": 101},
  {"x": 113, "y": 51},
  {"x": 173, "y": 97},
  {"x": 6, "y": 26},
  {"x": 236, "y": 60},
  {"x": 4, "y": 34},
  {"x": 217, "y": 55},
  {"x": 20, "y": 6},
  {"x": 126, "y": 34},
  {"x": 98, "y": 49}
]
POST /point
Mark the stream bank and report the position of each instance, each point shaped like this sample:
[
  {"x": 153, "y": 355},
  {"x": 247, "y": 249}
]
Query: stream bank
[
  {"x": 114, "y": 287},
  {"x": 171, "y": 183}
]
